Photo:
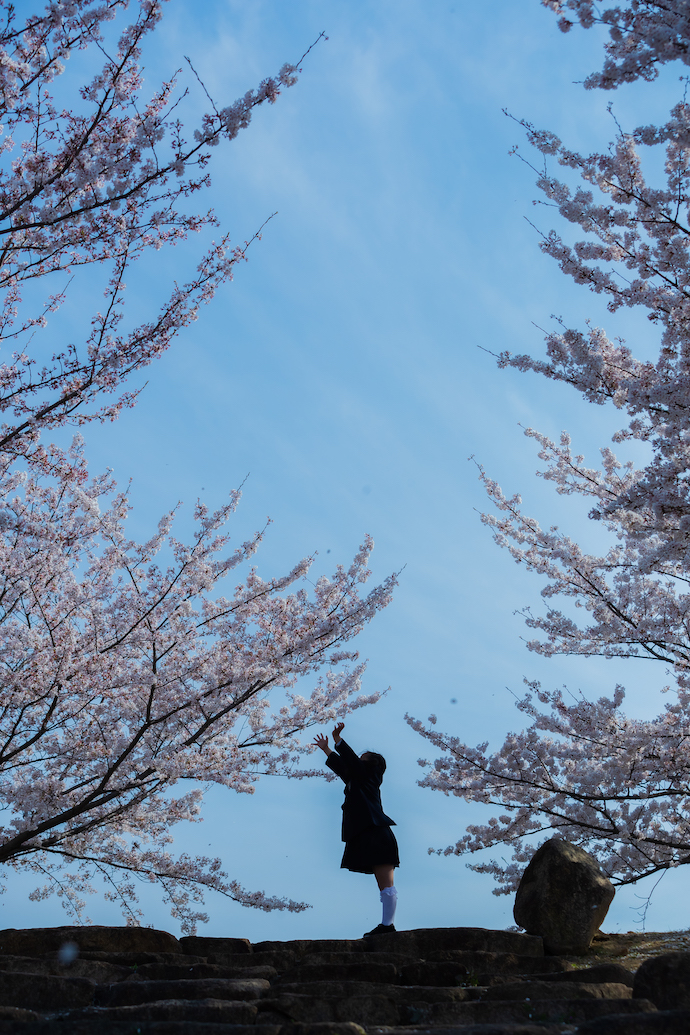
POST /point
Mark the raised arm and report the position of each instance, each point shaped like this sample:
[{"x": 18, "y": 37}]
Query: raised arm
[{"x": 322, "y": 741}]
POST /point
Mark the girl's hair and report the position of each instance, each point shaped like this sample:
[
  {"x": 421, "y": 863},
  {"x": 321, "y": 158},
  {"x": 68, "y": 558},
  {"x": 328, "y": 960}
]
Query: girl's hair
[{"x": 377, "y": 761}]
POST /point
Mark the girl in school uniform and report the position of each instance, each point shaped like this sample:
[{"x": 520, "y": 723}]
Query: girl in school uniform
[{"x": 370, "y": 845}]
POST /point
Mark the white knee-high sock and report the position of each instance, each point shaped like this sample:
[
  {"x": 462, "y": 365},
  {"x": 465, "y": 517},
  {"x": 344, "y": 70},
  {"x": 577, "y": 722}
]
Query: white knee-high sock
[{"x": 389, "y": 899}]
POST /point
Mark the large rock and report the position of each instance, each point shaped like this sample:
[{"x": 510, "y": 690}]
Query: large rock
[
  {"x": 665, "y": 980},
  {"x": 563, "y": 897},
  {"x": 36, "y": 941}
]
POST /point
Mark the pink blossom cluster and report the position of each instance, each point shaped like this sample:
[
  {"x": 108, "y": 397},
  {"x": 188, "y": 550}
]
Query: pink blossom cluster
[
  {"x": 643, "y": 34},
  {"x": 583, "y": 770}
]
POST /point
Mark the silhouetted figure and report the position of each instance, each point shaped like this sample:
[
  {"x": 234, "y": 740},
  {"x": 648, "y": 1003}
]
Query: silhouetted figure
[{"x": 370, "y": 845}]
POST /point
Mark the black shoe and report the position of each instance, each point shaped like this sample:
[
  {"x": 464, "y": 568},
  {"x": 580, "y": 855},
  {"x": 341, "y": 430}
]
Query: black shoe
[{"x": 381, "y": 929}]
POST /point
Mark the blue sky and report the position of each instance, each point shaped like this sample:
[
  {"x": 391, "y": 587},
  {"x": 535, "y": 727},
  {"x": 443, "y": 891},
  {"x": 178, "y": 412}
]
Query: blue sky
[{"x": 345, "y": 371}]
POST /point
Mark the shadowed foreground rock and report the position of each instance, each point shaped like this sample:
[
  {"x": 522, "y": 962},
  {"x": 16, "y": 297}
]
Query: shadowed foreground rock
[
  {"x": 563, "y": 897},
  {"x": 671, "y": 1022},
  {"x": 446, "y": 981},
  {"x": 665, "y": 981}
]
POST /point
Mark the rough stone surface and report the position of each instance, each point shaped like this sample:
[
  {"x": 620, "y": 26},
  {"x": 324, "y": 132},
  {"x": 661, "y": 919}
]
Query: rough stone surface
[
  {"x": 136, "y": 959},
  {"x": 478, "y": 1029},
  {"x": 563, "y": 1011},
  {"x": 665, "y": 980},
  {"x": 563, "y": 897},
  {"x": 668, "y": 1022},
  {"x": 48, "y": 993},
  {"x": 311, "y": 959},
  {"x": 216, "y": 1011},
  {"x": 558, "y": 990},
  {"x": 366, "y": 971},
  {"x": 601, "y": 972},
  {"x": 39, "y": 940},
  {"x": 500, "y": 962},
  {"x": 196, "y": 946},
  {"x": 130, "y": 993},
  {"x": 421, "y": 942},
  {"x": 169, "y": 972},
  {"x": 15, "y": 1013},
  {"x": 364, "y": 1010},
  {"x": 354, "y": 989},
  {"x": 279, "y": 960},
  {"x": 451, "y": 981},
  {"x": 343, "y": 1028},
  {"x": 439, "y": 974},
  {"x": 300, "y": 946},
  {"x": 69, "y": 1025},
  {"x": 95, "y": 971}
]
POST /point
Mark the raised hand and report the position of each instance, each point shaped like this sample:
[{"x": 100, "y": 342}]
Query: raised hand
[
  {"x": 339, "y": 727},
  {"x": 322, "y": 741}
]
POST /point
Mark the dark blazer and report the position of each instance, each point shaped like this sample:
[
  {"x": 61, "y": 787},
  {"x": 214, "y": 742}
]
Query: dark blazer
[{"x": 362, "y": 805}]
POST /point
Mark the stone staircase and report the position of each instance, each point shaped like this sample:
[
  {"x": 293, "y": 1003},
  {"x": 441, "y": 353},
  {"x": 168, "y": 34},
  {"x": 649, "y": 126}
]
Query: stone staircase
[{"x": 136, "y": 981}]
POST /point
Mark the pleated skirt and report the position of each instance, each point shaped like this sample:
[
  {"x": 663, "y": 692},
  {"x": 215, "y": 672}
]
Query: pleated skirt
[{"x": 376, "y": 846}]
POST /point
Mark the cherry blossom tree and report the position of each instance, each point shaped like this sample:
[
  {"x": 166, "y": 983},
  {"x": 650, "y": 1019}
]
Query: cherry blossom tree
[
  {"x": 101, "y": 177},
  {"x": 583, "y": 770},
  {"x": 127, "y": 667},
  {"x": 122, "y": 675}
]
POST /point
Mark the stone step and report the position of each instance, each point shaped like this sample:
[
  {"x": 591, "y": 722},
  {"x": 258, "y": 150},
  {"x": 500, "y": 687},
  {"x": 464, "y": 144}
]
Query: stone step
[
  {"x": 17, "y": 1013},
  {"x": 384, "y": 1007},
  {"x": 213, "y": 1011},
  {"x": 350, "y": 989},
  {"x": 113, "y": 1026},
  {"x": 137, "y": 959},
  {"x": 48, "y": 993},
  {"x": 557, "y": 990},
  {"x": 195, "y": 945},
  {"x": 101, "y": 973},
  {"x": 303, "y": 946},
  {"x": 313, "y": 958},
  {"x": 507, "y": 1028},
  {"x": 37, "y": 941},
  {"x": 131, "y": 993},
  {"x": 279, "y": 960},
  {"x": 468, "y": 969},
  {"x": 500, "y": 962},
  {"x": 553, "y": 1011},
  {"x": 420, "y": 943},
  {"x": 169, "y": 972},
  {"x": 382, "y": 973},
  {"x": 600, "y": 972}
]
